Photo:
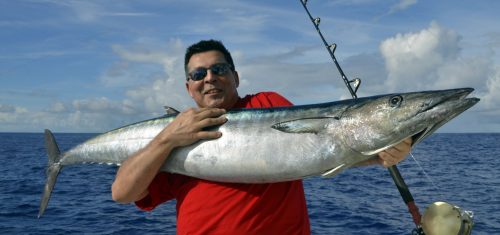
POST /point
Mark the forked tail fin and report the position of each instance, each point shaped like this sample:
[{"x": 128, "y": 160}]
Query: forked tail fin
[{"x": 52, "y": 170}]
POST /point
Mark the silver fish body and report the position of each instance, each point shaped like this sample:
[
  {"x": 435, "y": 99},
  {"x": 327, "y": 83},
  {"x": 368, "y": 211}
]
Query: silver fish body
[
  {"x": 249, "y": 151},
  {"x": 279, "y": 144}
]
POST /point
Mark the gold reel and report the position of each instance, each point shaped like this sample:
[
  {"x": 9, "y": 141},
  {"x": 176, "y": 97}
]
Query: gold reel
[{"x": 442, "y": 218}]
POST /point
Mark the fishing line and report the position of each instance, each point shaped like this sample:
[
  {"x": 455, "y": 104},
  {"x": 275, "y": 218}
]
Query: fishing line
[{"x": 426, "y": 175}]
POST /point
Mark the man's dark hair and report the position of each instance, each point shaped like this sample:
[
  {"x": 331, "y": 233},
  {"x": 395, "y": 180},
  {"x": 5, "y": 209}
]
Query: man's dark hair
[{"x": 204, "y": 46}]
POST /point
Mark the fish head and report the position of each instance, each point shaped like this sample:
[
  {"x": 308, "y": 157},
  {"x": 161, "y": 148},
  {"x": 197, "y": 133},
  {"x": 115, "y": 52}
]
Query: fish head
[{"x": 373, "y": 124}]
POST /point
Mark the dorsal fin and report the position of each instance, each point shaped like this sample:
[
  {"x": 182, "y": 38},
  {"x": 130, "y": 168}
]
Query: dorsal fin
[{"x": 169, "y": 110}]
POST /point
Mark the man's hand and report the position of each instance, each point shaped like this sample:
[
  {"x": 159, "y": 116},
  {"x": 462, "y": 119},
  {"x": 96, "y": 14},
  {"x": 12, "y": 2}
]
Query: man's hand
[
  {"x": 395, "y": 154},
  {"x": 188, "y": 126},
  {"x": 136, "y": 173}
]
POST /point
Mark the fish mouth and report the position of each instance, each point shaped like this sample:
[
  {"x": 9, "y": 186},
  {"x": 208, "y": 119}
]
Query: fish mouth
[{"x": 454, "y": 102}]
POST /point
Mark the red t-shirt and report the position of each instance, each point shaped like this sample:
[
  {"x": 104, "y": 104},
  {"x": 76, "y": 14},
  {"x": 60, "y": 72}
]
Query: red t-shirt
[{"x": 206, "y": 207}]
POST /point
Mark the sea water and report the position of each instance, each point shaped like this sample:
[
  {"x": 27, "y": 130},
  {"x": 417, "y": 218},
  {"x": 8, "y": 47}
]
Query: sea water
[{"x": 462, "y": 169}]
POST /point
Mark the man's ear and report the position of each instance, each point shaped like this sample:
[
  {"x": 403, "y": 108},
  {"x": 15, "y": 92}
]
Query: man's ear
[
  {"x": 187, "y": 88},
  {"x": 236, "y": 78}
]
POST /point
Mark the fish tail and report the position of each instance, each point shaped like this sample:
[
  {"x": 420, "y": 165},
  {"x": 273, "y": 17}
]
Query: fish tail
[{"x": 53, "y": 169}]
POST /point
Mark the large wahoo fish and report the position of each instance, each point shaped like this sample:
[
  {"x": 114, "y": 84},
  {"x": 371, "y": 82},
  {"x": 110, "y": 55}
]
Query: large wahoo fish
[{"x": 279, "y": 144}]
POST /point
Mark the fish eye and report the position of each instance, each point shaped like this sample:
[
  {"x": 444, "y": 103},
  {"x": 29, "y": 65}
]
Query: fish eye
[{"x": 395, "y": 101}]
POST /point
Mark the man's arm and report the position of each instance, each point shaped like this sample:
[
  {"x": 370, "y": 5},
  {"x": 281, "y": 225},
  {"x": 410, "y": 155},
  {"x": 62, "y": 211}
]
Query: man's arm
[
  {"x": 391, "y": 156},
  {"x": 137, "y": 172}
]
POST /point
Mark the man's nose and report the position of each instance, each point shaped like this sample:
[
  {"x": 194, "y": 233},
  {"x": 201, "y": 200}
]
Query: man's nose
[{"x": 210, "y": 76}]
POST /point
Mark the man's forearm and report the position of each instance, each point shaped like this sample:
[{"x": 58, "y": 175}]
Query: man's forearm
[{"x": 137, "y": 172}]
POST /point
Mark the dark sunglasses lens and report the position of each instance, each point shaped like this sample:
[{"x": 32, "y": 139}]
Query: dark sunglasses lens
[
  {"x": 198, "y": 74},
  {"x": 219, "y": 69}
]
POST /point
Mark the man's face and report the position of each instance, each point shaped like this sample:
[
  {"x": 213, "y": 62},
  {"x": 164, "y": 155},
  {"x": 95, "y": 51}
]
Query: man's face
[{"x": 215, "y": 91}]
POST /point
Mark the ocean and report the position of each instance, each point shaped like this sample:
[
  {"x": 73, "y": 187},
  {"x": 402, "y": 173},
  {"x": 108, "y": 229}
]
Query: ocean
[{"x": 462, "y": 169}]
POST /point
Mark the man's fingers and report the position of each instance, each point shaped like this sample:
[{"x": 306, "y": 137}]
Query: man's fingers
[
  {"x": 395, "y": 154},
  {"x": 400, "y": 148},
  {"x": 210, "y": 112},
  {"x": 208, "y": 122},
  {"x": 405, "y": 145},
  {"x": 387, "y": 159},
  {"x": 393, "y": 151},
  {"x": 216, "y": 121},
  {"x": 206, "y": 135}
]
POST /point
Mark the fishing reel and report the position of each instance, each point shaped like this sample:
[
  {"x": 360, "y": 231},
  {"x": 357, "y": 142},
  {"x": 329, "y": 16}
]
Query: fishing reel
[{"x": 442, "y": 218}]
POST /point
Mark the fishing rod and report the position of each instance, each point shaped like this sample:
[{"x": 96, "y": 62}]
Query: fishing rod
[
  {"x": 393, "y": 170},
  {"x": 440, "y": 217}
]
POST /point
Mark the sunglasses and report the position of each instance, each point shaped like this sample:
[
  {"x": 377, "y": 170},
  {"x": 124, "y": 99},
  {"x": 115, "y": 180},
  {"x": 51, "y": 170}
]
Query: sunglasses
[{"x": 217, "y": 69}]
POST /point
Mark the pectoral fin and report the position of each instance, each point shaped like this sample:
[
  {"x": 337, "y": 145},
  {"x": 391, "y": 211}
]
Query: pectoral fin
[
  {"x": 334, "y": 171},
  {"x": 304, "y": 125}
]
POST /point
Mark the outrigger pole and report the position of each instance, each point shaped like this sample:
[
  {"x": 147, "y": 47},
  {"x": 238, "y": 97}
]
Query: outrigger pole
[{"x": 393, "y": 170}]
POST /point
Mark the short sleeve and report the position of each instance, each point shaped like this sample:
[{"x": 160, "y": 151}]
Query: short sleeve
[{"x": 158, "y": 192}]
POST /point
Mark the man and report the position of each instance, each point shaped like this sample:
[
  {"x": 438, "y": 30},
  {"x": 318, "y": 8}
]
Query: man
[{"x": 205, "y": 207}]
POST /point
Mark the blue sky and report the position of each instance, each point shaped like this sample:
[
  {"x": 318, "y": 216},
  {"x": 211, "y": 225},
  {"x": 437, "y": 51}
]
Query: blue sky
[{"x": 91, "y": 66}]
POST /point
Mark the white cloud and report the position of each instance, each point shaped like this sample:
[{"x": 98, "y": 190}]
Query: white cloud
[
  {"x": 97, "y": 105},
  {"x": 399, "y": 6},
  {"x": 5, "y": 108},
  {"x": 36, "y": 55},
  {"x": 10, "y": 114},
  {"x": 58, "y": 107},
  {"x": 433, "y": 59},
  {"x": 89, "y": 11},
  {"x": 465, "y": 72},
  {"x": 95, "y": 114},
  {"x": 491, "y": 100},
  {"x": 92, "y": 115},
  {"x": 16, "y": 118},
  {"x": 86, "y": 11},
  {"x": 414, "y": 59},
  {"x": 166, "y": 88},
  {"x": 402, "y": 5}
]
